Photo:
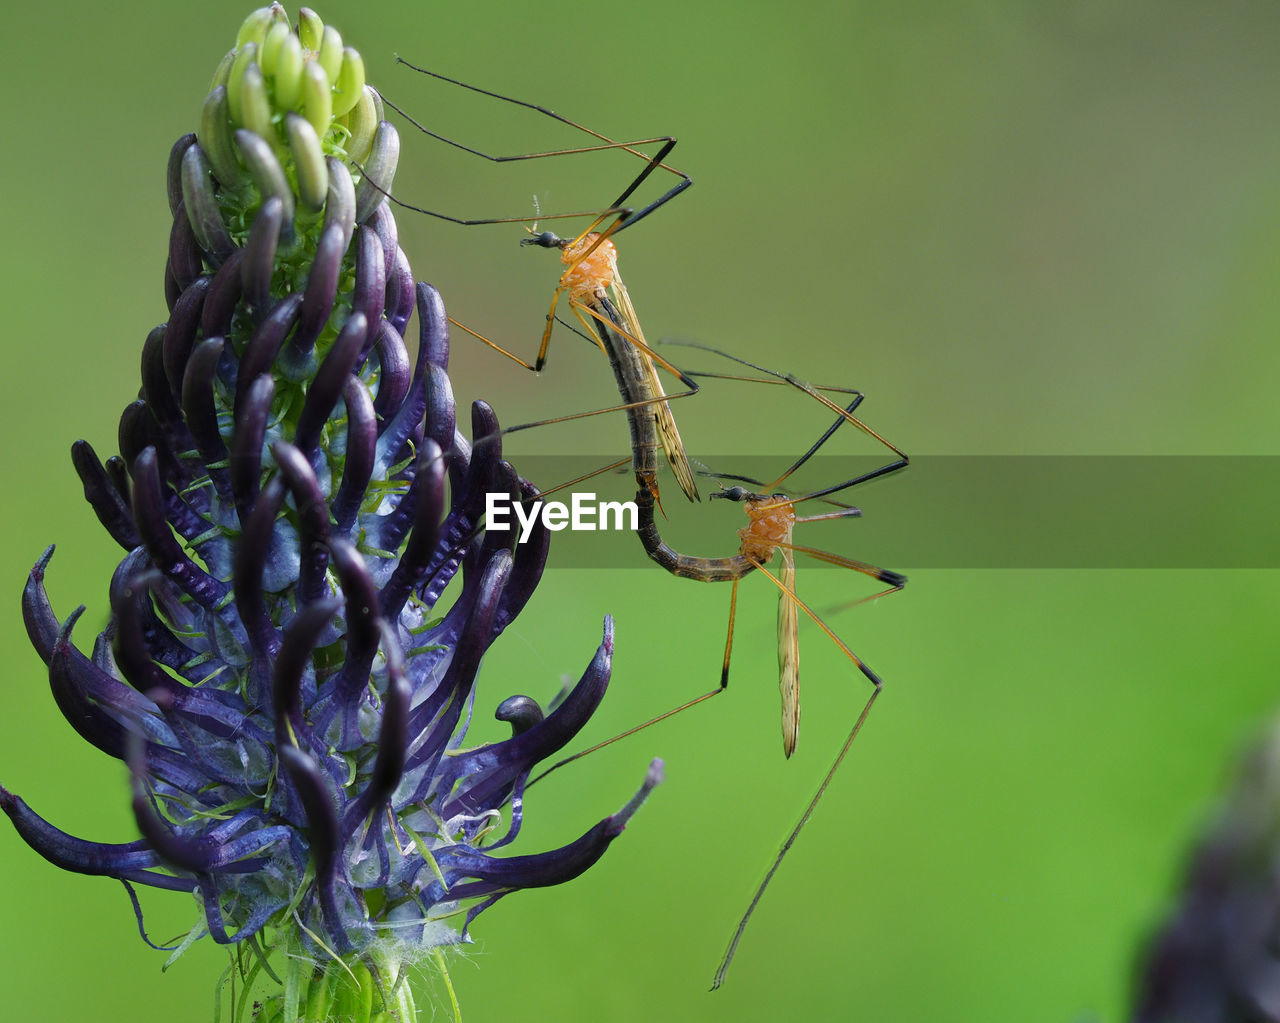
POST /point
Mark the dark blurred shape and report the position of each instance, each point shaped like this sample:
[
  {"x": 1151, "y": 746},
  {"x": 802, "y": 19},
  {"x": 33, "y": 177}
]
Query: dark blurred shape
[{"x": 1217, "y": 959}]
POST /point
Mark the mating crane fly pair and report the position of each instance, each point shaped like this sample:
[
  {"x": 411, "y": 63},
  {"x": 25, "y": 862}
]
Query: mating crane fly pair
[{"x": 603, "y": 306}]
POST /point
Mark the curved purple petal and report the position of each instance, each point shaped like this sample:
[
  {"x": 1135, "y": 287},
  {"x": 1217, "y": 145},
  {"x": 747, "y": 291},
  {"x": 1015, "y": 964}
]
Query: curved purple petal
[
  {"x": 180, "y": 332},
  {"x": 487, "y": 774}
]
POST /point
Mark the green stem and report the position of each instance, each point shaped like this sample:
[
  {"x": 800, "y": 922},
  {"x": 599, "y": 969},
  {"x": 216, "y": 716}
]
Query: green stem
[{"x": 350, "y": 988}]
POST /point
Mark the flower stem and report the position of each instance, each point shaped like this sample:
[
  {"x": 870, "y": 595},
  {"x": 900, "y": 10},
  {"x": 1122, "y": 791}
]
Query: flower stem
[{"x": 350, "y": 988}]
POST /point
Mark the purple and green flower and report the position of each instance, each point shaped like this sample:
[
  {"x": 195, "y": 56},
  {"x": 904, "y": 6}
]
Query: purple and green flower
[{"x": 292, "y": 497}]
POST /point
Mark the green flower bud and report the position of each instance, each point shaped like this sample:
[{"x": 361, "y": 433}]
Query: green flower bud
[
  {"x": 340, "y": 202},
  {"x": 379, "y": 171},
  {"x": 310, "y": 29},
  {"x": 265, "y": 170},
  {"x": 349, "y": 84},
  {"x": 308, "y": 159},
  {"x": 254, "y": 28},
  {"x": 288, "y": 73},
  {"x": 317, "y": 98},
  {"x": 215, "y": 139},
  {"x": 245, "y": 55},
  {"x": 255, "y": 107},
  {"x": 269, "y": 51},
  {"x": 223, "y": 69},
  {"x": 202, "y": 204},
  {"x": 362, "y": 122},
  {"x": 329, "y": 55}
]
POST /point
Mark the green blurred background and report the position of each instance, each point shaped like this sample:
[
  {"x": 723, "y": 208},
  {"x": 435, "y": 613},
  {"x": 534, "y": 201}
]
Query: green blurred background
[{"x": 1021, "y": 228}]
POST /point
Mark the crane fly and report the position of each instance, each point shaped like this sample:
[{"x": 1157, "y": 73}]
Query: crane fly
[
  {"x": 623, "y": 215},
  {"x": 602, "y": 304},
  {"x": 771, "y": 519},
  {"x": 590, "y": 258},
  {"x": 771, "y": 516}
]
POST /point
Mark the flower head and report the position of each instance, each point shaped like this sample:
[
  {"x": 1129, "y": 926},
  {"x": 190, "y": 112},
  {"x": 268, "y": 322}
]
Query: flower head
[{"x": 293, "y": 498}]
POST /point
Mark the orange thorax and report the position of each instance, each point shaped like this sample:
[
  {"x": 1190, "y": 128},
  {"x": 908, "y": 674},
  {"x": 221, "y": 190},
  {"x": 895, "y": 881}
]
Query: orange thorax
[
  {"x": 770, "y": 522},
  {"x": 591, "y": 277}
]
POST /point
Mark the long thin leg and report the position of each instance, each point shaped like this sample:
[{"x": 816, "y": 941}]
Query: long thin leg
[
  {"x": 728, "y": 639},
  {"x": 775, "y": 487},
  {"x": 547, "y": 112},
  {"x": 581, "y": 479},
  {"x": 812, "y": 805},
  {"x": 481, "y": 221},
  {"x": 596, "y": 412},
  {"x": 896, "y": 580},
  {"x": 622, "y": 212},
  {"x": 872, "y": 677},
  {"x": 858, "y": 397},
  {"x": 619, "y": 329},
  {"x": 847, "y": 510},
  {"x": 535, "y": 367},
  {"x": 725, "y": 962},
  {"x": 652, "y": 163},
  {"x": 724, "y": 684},
  {"x": 519, "y": 427},
  {"x": 829, "y": 388},
  {"x": 845, "y": 513},
  {"x": 844, "y": 415}
]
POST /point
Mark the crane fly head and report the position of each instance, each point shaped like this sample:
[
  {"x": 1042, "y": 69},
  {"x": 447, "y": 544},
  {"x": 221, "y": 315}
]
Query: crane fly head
[
  {"x": 545, "y": 239},
  {"x": 736, "y": 493}
]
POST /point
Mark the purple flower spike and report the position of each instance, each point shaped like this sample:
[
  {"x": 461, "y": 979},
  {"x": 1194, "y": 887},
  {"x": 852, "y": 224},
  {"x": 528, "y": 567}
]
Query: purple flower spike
[{"x": 294, "y": 498}]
